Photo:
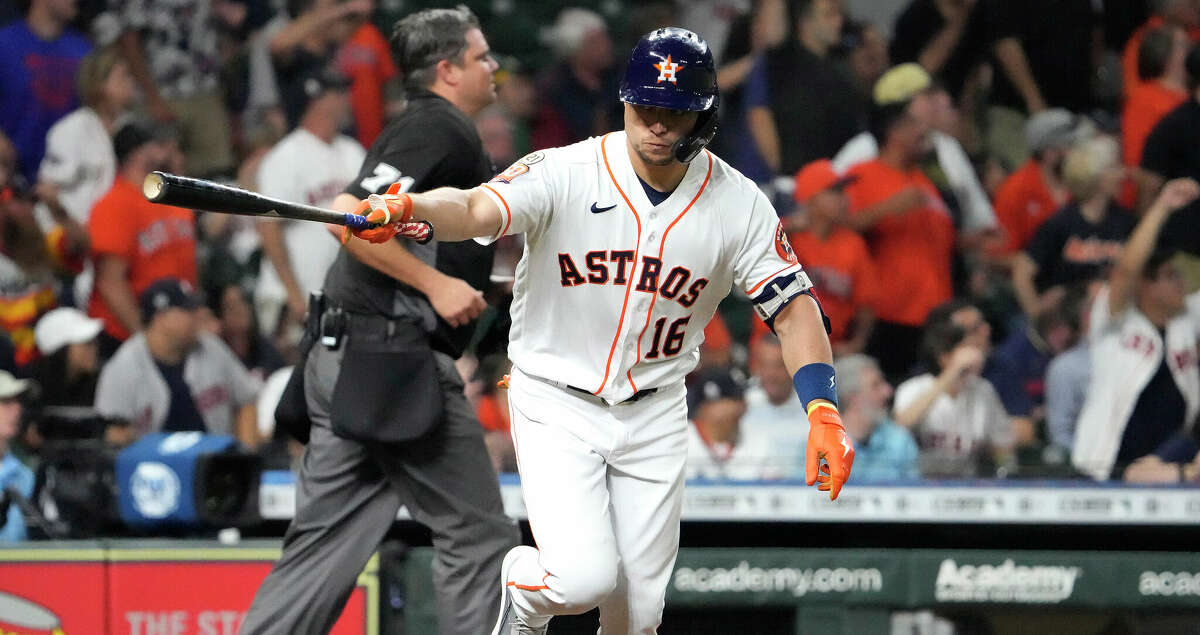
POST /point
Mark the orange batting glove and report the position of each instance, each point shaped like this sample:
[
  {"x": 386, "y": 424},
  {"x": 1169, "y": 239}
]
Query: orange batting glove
[
  {"x": 387, "y": 212},
  {"x": 827, "y": 440}
]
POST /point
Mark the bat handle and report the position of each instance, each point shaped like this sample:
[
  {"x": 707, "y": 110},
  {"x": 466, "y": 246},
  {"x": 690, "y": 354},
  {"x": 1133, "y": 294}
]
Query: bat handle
[{"x": 356, "y": 222}]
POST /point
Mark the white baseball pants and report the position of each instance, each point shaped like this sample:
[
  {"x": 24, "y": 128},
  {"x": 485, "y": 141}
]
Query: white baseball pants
[{"x": 603, "y": 488}]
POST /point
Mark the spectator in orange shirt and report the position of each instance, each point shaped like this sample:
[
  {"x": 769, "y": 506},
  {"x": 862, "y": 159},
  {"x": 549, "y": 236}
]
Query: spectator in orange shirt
[
  {"x": 1163, "y": 87},
  {"x": 1181, "y": 13},
  {"x": 909, "y": 230},
  {"x": 835, "y": 257},
  {"x": 366, "y": 60},
  {"x": 1035, "y": 191},
  {"x": 134, "y": 241}
]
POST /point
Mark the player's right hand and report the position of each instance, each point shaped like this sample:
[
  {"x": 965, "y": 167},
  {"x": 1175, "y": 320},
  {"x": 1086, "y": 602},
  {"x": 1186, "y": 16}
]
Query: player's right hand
[
  {"x": 387, "y": 212},
  {"x": 455, "y": 301}
]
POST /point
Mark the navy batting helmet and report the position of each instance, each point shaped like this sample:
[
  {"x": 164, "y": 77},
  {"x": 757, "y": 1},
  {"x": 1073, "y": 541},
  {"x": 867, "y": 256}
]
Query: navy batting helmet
[{"x": 673, "y": 68}]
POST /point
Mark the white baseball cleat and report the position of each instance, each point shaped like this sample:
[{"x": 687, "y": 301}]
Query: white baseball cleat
[{"x": 508, "y": 622}]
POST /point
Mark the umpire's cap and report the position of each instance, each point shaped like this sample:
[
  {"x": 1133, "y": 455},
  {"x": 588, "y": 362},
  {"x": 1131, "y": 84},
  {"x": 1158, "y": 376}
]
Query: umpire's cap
[{"x": 673, "y": 68}]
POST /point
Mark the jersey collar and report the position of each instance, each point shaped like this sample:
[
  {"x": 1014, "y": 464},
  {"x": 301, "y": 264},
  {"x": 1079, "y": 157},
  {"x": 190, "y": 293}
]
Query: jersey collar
[{"x": 617, "y": 154}]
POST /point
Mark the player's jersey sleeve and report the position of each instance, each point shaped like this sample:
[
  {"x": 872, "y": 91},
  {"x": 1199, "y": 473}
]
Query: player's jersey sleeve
[
  {"x": 524, "y": 193},
  {"x": 765, "y": 267}
]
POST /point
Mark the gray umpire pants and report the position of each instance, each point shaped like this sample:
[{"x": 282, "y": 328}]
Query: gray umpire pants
[{"x": 348, "y": 496}]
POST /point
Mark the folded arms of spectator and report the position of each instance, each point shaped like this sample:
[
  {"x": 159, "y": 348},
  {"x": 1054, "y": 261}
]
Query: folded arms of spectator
[{"x": 907, "y": 199}]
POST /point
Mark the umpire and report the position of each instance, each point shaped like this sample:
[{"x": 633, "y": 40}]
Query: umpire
[{"x": 389, "y": 423}]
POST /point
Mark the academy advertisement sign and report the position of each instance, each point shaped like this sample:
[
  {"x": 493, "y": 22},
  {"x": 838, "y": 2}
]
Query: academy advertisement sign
[
  {"x": 927, "y": 578},
  {"x": 1005, "y": 582},
  {"x": 783, "y": 576}
]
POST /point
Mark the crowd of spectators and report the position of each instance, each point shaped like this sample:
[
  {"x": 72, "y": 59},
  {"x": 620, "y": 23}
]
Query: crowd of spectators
[{"x": 993, "y": 198}]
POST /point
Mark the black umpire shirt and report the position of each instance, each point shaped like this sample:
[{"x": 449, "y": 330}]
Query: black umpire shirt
[{"x": 432, "y": 144}]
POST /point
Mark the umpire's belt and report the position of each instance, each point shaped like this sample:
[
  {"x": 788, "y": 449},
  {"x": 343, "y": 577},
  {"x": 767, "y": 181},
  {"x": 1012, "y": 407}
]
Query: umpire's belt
[{"x": 587, "y": 394}]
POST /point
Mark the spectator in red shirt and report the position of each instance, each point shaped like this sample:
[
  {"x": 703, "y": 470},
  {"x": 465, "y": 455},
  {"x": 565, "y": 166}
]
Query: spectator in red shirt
[
  {"x": 909, "y": 230},
  {"x": 366, "y": 60},
  {"x": 1163, "y": 86},
  {"x": 1035, "y": 191},
  {"x": 1181, "y": 13},
  {"x": 134, "y": 241},
  {"x": 835, "y": 257}
]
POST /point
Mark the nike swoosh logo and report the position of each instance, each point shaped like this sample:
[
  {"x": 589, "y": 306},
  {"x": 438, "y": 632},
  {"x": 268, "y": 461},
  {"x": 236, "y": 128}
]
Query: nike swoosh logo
[{"x": 597, "y": 210}]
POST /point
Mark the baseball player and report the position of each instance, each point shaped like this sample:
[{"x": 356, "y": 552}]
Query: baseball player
[{"x": 631, "y": 241}]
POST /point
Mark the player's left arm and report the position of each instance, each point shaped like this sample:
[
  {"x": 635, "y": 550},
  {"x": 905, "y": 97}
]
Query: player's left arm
[
  {"x": 808, "y": 357},
  {"x": 767, "y": 269}
]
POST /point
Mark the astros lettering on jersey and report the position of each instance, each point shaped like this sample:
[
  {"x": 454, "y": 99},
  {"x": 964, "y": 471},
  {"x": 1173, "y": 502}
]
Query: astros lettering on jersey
[{"x": 643, "y": 280}]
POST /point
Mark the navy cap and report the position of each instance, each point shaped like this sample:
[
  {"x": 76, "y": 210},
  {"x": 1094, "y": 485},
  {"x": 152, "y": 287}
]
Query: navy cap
[
  {"x": 166, "y": 293},
  {"x": 714, "y": 385},
  {"x": 309, "y": 86}
]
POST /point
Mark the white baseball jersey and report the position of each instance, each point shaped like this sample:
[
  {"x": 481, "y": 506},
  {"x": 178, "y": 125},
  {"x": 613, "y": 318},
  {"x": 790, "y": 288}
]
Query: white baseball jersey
[
  {"x": 956, "y": 429},
  {"x": 305, "y": 169},
  {"x": 1132, "y": 349},
  {"x": 612, "y": 293}
]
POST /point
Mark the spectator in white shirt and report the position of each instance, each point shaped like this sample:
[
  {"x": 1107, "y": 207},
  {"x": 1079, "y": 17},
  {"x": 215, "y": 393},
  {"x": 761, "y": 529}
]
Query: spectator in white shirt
[
  {"x": 79, "y": 165},
  {"x": 718, "y": 448},
  {"x": 312, "y": 165},
  {"x": 955, "y": 414},
  {"x": 1145, "y": 385},
  {"x": 772, "y": 408}
]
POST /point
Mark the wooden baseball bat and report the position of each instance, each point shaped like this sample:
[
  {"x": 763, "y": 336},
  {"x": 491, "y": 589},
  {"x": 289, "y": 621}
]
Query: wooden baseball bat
[{"x": 182, "y": 191}]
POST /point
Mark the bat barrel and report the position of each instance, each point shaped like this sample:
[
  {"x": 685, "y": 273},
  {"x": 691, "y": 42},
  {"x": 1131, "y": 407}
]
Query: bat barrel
[{"x": 182, "y": 191}]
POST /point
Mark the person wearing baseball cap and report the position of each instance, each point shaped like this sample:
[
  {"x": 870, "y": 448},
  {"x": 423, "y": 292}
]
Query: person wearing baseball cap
[
  {"x": 175, "y": 377},
  {"x": 311, "y": 163},
  {"x": 835, "y": 256},
  {"x": 717, "y": 449},
  {"x": 70, "y": 361},
  {"x": 907, "y": 89},
  {"x": 903, "y": 216},
  {"x": 1036, "y": 190},
  {"x": 307, "y": 90},
  {"x": 133, "y": 241}
]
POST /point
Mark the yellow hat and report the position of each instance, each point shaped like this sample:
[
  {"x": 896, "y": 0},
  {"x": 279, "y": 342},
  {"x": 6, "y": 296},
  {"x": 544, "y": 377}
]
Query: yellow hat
[{"x": 901, "y": 83}]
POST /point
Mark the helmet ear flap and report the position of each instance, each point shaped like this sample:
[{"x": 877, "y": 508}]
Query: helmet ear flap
[{"x": 689, "y": 145}]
